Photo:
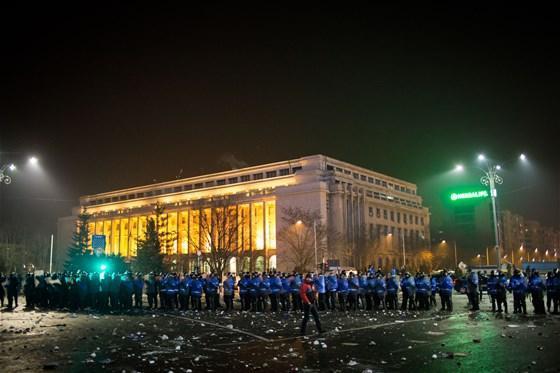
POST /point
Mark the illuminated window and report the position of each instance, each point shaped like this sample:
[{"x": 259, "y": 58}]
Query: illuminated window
[
  {"x": 183, "y": 232},
  {"x": 194, "y": 230},
  {"x": 133, "y": 236},
  {"x": 172, "y": 231},
  {"x": 162, "y": 232},
  {"x": 272, "y": 262},
  {"x": 271, "y": 225},
  {"x": 245, "y": 178},
  {"x": 257, "y": 225},
  {"x": 246, "y": 267},
  {"x": 107, "y": 232},
  {"x": 99, "y": 227},
  {"x": 244, "y": 229},
  {"x": 259, "y": 264},
  {"x": 233, "y": 265},
  {"x": 91, "y": 232},
  {"x": 142, "y": 226},
  {"x": 123, "y": 248},
  {"x": 206, "y": 222},
  {"x": 116, "y": 236}
]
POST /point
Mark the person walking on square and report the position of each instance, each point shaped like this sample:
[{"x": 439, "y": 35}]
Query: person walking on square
[{"x": 308, "y": 299}]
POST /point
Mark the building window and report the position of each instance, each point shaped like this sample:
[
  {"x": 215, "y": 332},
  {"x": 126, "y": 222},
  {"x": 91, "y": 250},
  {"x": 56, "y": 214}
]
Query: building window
[
  {"x": 398, "y": 217},
  {"x": 330, "y": 167},
  {"x": 259, "y": 264},
  {"x": 363, "y": 177},
  {"x": 157, "y": 192},
  {"x": 209, "y": 184},
  {"x": 177, "y": 189},
  {"x": 122, "y": 198},
  {"x": 404, "y": 218},
  {"x": 114, "y": 199},
  {"x": 187, "y": 187},
  {"x": 392, "y": 216},
  {"x": 245, "y": 178},
  {"x": 422, "y": 220},
  {"x": 356, "y": 175},
  {"x": 378, "y": 212},
  {"x": 416, "y": 220},
  {"x": 377, "y": 182},
  {"x": 371, "y": 211},
  {"x": 370, "y": 180},
  {"x": 232, "y": 180},
  {"x": 272, "y": 262},
  {"x": 385, "y": 214},
  {"x": 410, "y": 218},
  {"x": 384, "y": 184},
  {"x": 284, "y": 171},
  {"x": 257, "y": 176},
  {"x": 198, "y": 185},
  {"x": 385, "y": 230},
  {"x": 376, "y": 195},
  {"x": 296, "y": 169},
  {"x": 270, "y": 174},
  {"x": 149, "y": 194},
  {"x": 168, "y": 190},
  {"x": 369, "y": 193},
  {"x": 221, "y": 182}
]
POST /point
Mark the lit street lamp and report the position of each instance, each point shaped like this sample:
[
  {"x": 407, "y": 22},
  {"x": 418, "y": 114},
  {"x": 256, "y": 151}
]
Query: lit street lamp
[
  {"x": 479, "y": 260},
  {"x": 7, "y": 179},
  {"x": 490, "y": 179}
]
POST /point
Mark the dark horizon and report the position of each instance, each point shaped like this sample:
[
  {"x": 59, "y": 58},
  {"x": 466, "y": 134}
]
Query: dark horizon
[{"x": 110, "y": 100}]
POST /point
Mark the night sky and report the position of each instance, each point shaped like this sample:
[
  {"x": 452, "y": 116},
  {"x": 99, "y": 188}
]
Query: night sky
[{"x": 118, "y": 97}]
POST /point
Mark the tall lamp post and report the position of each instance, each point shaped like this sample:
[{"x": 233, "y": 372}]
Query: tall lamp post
[
  {"x": 299, "y": 222},
  {"x": 490, "y": 179}
]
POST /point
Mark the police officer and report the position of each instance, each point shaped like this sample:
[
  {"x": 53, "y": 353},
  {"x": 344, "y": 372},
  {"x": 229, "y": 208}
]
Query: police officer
[
  {"x": 2, "y": 291},
  {"x": 275, "y": 288},
  {"x": 423, "y": 289},
  {"x": 353, "y": 288},
  {"x": 196, "y": 292},
  {"x": 138, "y": 287},
  {"x": 295, "y": 284},
  {"x": 254, "y": 286},
  {"x": 320, "y": 286},
  {"x": 472, "y": 289},
  {"x": 370, "y": 290},
  {"x": 556, "y": 285},
  {"x": 285, "y": 292},
  {"x": 184, "y": 291},
  {"x": 12, "y": 290},
  {"x": 29, "y": 291},
  {"x": 501, "y": 292},
  {"x": 392, "y": 291},
  {"x": 550, "y": 290},
  {"x": 380, "y": 291},
  {"x": 518, "y": 286},
  {"x": 433, "y": 290},
  {"x": 243, "y": 285},
  {"x": 492, "y": 286},
  {"x": 308, "y": 298},
  {"x": 126, "y": 290},
  {"x": 152, "y": 290},
  {"x": 408, "y": 288},
  {"x": 229, "y": 291},
  {"x": 332, "y": 287},
  {"x": 264, "y": 292},
  {"x": 445, "y": 290},
  {"x": 212, "y": 285},
  {"x": 536, "y": 287},
  {"x": 342, "y": 291},
  {"x": 105, "y": 286}
]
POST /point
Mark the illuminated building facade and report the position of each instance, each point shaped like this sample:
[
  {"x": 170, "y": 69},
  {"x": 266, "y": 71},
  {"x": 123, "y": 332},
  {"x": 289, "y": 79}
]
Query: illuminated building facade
[{"x": 351, "y": 200}]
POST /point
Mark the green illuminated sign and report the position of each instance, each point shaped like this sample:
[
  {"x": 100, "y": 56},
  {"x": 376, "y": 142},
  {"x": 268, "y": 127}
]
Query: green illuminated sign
[{"x": 469, "y": 195}]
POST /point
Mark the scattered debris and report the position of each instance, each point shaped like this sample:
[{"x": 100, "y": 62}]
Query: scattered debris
[{"x": 351, "y": 363}]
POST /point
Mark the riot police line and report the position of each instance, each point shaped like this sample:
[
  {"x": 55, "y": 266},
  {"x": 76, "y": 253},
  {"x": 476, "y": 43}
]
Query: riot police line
[{"x": 274, "y": 291}]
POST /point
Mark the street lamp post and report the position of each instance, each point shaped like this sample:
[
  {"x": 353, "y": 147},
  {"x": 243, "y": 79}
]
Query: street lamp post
[
  {"x": 490, "y": 179},
  {"x": 299, "y": 222}
]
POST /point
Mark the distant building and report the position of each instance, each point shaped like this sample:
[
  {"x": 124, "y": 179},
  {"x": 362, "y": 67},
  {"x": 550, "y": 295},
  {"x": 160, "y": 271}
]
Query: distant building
[
  {"x": 359, "y": 204},
  {"x": 526, "y": 240}
]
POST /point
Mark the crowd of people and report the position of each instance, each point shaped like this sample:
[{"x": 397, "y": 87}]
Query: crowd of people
[{"x": 273, "y": 291}]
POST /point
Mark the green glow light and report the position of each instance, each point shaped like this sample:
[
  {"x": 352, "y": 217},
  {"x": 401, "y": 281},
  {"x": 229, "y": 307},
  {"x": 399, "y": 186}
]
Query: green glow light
[
  {"x": 469, "y": 195},
  {"x": 103, "y": 267}
]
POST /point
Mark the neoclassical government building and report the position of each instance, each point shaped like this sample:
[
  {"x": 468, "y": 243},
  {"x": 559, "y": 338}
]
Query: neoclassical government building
[{"x": 378, "y": 219}]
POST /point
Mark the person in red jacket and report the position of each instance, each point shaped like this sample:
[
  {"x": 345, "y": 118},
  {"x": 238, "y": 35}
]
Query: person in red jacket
[{"x": 307, "y": 295}]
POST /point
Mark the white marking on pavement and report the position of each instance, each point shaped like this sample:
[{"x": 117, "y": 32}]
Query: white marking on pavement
[{"x": 220, "y": 326}]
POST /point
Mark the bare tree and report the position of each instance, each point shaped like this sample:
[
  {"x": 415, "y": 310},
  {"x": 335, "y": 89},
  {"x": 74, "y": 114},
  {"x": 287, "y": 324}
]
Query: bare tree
[
  {"x": 300, "y": 229},
  {"x": 218, "y": 232}
]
